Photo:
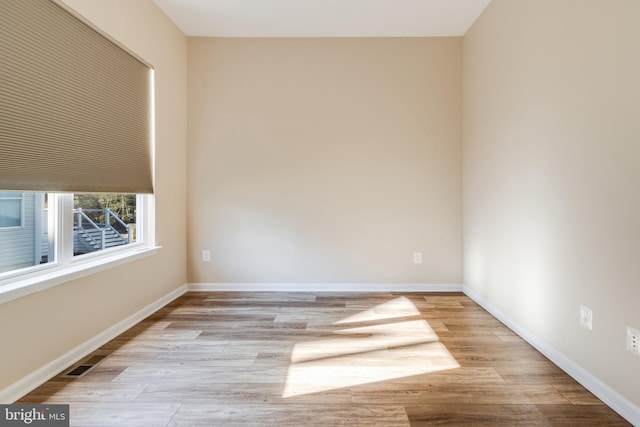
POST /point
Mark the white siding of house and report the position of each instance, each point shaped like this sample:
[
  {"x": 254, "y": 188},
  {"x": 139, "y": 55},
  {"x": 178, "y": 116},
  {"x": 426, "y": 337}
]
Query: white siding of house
[{"x": 17, "y": 244}]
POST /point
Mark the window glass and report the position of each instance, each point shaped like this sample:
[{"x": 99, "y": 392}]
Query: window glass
[
  {"x": 102, "y": 221},
  {"x": 24, "y": 238}
]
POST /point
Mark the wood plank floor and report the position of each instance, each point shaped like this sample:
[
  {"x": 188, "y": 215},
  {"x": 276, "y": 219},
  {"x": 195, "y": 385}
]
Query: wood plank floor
[{"x": 291, "y": 359}]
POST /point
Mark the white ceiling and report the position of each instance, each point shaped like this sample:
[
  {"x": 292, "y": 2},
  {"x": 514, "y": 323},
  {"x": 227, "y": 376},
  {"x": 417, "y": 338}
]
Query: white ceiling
[{"x": 323, "y": 18}]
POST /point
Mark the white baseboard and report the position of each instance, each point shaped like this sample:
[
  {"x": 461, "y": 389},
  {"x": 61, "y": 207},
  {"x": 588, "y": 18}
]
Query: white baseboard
[
  {"x": 612, "y": 398},
  {"x": 23, "y": 386},
  {"x": 324, "y": 287}
]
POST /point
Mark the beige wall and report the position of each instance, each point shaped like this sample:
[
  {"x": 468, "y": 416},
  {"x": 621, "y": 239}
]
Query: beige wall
[
  {"x": 36, "y": 329},
  {"x": 551, "y": 173},
  {"x": 325, "y": 160}
]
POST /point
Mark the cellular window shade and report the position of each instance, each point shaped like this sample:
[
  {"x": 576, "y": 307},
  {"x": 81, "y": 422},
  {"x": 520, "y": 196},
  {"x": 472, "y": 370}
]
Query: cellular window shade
[{"x": 75, "y": 108}]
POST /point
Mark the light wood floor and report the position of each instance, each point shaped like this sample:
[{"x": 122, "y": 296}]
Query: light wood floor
[{"x": 291, "y": 359}]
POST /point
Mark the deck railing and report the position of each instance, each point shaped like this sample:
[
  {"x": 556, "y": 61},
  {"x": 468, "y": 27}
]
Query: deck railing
[{"x": 100, "y": 220}]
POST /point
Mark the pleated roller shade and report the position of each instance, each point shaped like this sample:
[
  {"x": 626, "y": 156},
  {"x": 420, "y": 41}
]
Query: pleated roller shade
[{"x": 75, "y": 108}]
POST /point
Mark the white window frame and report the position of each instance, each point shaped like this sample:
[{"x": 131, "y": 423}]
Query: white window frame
[
  {"x": 19, "y": 196},
  {"x": 64, "y": 266}
]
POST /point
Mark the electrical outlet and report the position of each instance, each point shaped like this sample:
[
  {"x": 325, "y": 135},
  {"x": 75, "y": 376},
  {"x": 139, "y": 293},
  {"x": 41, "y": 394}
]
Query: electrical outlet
[
  {"x": 206, "y": 255},
  {"x": 633, "y": 340},
  {"x": 586, "y": 317},
  {"x": 417, "y": 257}
]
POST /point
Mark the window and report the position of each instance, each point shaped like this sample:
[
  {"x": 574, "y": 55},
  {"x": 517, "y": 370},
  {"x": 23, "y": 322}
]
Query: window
[
  {"x": 79, "y": 119},
  {"x": 10, "y": 210},
  {"x": 66, "y": 233}
]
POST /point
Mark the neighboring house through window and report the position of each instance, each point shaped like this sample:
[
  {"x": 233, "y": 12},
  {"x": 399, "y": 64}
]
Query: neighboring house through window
[{"x": 21, "y": 230}]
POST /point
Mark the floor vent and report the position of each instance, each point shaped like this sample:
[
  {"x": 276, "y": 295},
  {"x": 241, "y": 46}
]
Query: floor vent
[
  {"x": 84, "y": 366},
  {"x": 78, "y": 371}
]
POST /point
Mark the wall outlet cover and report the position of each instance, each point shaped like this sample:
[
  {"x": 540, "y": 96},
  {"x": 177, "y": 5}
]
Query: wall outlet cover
[{"x": 586, "y": 317}]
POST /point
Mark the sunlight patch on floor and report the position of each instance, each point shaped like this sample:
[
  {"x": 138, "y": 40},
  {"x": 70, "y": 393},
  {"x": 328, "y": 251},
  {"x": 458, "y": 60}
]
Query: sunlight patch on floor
[
  {"x": 367, "y": 354},
  {"x": 399, "y": 307},
  {"x": 364, "y": 339}
]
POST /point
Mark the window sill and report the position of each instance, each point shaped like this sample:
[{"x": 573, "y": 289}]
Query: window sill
[{"x": 20, "y": 287}]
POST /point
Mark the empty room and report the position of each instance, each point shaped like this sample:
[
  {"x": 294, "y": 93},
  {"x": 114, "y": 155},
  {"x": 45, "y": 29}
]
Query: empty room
[{"x": 290, "y": 212}]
